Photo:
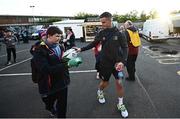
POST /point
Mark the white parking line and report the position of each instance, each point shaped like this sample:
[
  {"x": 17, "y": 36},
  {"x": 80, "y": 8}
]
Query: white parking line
[
  {"x": 18, "y": 74},
  {"x": 84, "y": 71},
  {"x": 168, "y": 61},
  {"x": 89, "y": 71},
  {"x": 16, "y": 52},
  {"x": 15, "y": 64},
  {"x": 147, "y": 94},
  {"x": 146, "y": 48},
  {"x": 28, "y": 74},
  {"x": 162, "y": 58}
]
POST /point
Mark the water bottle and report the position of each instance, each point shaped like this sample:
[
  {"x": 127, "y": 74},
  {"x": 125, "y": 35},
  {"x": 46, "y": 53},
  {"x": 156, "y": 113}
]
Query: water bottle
[
  {"x": 120, "y": 74},
  {"x": 119, "y": 68}
]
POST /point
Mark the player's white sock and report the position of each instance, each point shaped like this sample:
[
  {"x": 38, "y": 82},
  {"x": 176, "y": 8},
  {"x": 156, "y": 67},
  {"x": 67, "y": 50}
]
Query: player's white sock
[{"x": 120, "y": 100}]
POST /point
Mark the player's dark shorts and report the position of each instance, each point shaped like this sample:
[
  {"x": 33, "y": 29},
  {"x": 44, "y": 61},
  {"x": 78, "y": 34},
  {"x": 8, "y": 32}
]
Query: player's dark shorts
[{"x": 105, "y": 73}]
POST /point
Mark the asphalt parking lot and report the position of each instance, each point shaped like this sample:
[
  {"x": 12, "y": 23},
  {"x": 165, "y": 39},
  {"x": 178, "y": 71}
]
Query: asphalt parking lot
[{"x": 154, "y": 93}]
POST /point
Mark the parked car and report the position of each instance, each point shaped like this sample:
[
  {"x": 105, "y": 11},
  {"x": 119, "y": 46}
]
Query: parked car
[
  {"x": 37, "y": 35},
  {"x": 140, "y": 32}
]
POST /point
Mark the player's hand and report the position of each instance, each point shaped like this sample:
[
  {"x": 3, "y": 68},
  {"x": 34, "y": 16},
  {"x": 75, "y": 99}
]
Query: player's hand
[{"x": 77, "y": 49}]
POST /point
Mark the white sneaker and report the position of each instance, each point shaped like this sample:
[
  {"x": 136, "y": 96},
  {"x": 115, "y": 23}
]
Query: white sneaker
[
  {"x": 122, "y": 108},
  {"x": 100, "y": 96},
  {"x": 97, "y": 75},
  {"x": 9, "y": 63}
]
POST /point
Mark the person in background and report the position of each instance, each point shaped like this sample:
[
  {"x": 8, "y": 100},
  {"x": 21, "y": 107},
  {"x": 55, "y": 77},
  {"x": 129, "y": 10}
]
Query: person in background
[
  {"x": 97, "y": 50},
  {"x": 10, "y": 41},
  {"x": 112, "y": 57},
  {"x": 1, "y": 37},
  {"x": 133, "y": 48},
  {"x": 43, "y": 37},
  {"x": 25, "y": 36},
  {"x": 54, "y": 73},
  {"x": 69, "y": 41},
  {"x": 122, "y": 29}
]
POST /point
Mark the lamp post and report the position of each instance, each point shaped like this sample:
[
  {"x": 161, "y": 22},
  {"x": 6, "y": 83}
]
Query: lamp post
[{"x": 32, "y": 7}]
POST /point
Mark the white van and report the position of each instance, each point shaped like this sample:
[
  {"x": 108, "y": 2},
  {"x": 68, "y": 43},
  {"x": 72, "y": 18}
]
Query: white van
[
  {"x": 157, "y": 29},
  {"x": 75, "y": 25}
]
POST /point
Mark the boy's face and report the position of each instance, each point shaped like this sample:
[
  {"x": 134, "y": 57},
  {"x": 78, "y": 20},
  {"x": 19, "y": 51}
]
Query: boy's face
[{"x": 54, "y": 38}]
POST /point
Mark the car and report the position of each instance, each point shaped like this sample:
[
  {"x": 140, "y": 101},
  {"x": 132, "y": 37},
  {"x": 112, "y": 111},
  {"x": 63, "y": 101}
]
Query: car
[
  {"x": 36, "y": 35},
  {"x": 140, "y": 32}
]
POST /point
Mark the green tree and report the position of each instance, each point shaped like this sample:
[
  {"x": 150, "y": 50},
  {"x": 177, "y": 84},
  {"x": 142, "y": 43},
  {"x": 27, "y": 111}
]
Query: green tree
[
  {"x": 153, "y": 14},
  {"x": 132, "y": 15},
  {"x": 144, "y": 16},
  {"x": 175, "y": 12},
  {"x": 83, "y": 15}
]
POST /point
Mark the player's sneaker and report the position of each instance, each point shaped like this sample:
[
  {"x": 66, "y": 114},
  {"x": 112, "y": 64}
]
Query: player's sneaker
[
  {"x": 97, "y": 75},
  {"x": 100, "y": 96},
  {"x": 122, "y": 108},
  {"x": 52, "y": 113}
]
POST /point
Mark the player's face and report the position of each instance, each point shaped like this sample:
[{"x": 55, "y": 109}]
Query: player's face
[{"x": 106, "y": 22}]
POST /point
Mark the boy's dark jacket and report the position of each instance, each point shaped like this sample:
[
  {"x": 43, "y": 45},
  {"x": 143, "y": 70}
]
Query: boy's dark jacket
[{"x": 53, "y": 71}]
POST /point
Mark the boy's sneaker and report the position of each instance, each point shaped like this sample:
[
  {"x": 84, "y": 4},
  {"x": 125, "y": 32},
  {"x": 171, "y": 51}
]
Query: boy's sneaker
[
  {"x": 122, "y": 108},
  {"x": 100, "y": 96},
  {"x": 9, "y": 63}
]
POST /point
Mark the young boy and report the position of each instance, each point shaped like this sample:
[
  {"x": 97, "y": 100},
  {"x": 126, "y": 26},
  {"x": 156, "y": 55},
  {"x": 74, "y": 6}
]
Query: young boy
[{"x": 54, "y": 73}]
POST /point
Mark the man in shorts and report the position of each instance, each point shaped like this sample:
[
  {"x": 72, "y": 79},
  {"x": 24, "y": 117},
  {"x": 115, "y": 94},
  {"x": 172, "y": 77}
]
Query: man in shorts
[{"x": 113, "y": 56}]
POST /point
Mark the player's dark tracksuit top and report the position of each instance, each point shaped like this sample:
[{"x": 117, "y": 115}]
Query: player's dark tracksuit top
[{"x": 114, "y": 47}]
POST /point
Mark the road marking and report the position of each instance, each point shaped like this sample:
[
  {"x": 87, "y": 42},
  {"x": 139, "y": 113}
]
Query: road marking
[
  {"x": 18, "y": 74},
  {"x": 28, "y": 74},
  {"x": 146, "y": 48},
  {"x": 147, "y": 94},
  {"x": 178, "y": 72},
  {"x": 16, "y": 52},
  {"x": 169, "y": 61},
  {"x": 162, "y": 58},
  {"x": 15, "y": 64},
  {"x": 84, "y": 71}
]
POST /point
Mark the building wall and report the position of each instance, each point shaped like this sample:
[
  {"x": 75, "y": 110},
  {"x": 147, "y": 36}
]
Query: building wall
[
  {"x": 13, "y": 20},
  {"x": 6, "y": 20}
]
